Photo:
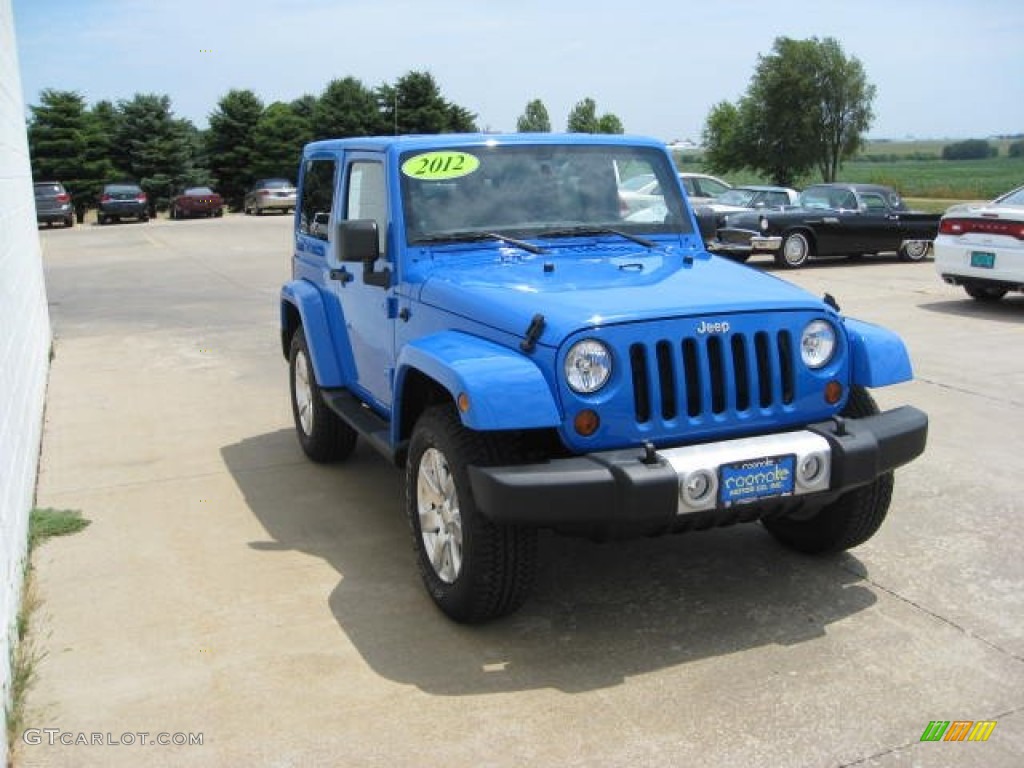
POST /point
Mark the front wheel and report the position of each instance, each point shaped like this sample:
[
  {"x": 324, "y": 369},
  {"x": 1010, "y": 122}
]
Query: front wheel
[
  {"x": 851, "y": 519},
  {"x": 474, "y": 570},
  {"x": 324, "y": 437},
  {"x": 796, "y": 251}
]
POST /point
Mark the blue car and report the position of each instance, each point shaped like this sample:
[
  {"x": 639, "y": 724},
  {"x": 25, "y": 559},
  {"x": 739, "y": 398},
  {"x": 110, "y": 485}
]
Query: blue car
[{"x": 485, "y": 312}]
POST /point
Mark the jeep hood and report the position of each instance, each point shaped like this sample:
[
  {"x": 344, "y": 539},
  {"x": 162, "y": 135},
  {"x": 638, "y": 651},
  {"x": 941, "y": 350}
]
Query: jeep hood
[{"x": 600, "y": 286}]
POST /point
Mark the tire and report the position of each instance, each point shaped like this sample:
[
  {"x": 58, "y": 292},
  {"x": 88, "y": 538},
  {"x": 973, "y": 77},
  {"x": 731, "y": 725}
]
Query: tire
[
  {"x": 795, "y": 252},
  {"x": 985, "y": 293},
  {"x": 101, "y": 219},
  {"x": 69, "y": 221},
  {"x": 851, "y": 519},
  {"x": 473, "y": 569},
  {"x": 324, "y": 437},
  {"x": 915, "y": 250}
]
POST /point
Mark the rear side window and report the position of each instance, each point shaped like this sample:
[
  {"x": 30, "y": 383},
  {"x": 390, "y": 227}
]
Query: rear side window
[
  {"x": 317, "y": 198},
  {"x": 48, "y": 190}
]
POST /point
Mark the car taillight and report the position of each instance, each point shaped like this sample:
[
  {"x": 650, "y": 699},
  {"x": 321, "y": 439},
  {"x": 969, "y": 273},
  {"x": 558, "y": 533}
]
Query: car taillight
[
  {"x": 106, "y": 198},
  {"x": 141, "y": 197},
  {"x": 64, "y": 198},
  {"x": 264, "y": 192},
  {"x": 982, "y": 226}
]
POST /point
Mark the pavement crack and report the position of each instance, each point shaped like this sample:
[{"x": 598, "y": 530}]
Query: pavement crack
[
  {"x": 939, "y": 617},
  {"x": 973, "y": 393},
  {"x": 904, "y": 747}
]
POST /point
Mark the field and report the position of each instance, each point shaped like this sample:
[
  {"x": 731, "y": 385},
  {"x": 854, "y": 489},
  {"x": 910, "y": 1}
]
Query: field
[{"x": 916, "y": 169}]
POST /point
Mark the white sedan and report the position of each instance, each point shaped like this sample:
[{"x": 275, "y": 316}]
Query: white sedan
[{"x": 980, "y": 246}]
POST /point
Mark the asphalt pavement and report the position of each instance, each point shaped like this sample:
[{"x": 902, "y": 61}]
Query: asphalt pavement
[{"x": 229, "y": 591}]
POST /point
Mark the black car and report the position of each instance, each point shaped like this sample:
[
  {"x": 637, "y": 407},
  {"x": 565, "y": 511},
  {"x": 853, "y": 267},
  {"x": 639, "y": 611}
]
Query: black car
[
  {"x": 53, "y": 204},
  {"x": 123, "y": 200},
  {"x": 830, "y": 220}
]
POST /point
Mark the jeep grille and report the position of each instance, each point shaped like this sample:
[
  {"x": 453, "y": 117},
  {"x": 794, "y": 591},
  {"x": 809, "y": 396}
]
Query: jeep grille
[{"x": 713, "y": 375}]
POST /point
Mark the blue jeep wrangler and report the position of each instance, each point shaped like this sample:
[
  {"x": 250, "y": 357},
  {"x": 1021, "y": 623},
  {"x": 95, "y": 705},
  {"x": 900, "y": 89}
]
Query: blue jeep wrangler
[{"x": 540, "y": 347}]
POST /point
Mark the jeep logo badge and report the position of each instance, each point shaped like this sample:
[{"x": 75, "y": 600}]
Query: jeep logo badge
[{"x": 706, "y": 327}]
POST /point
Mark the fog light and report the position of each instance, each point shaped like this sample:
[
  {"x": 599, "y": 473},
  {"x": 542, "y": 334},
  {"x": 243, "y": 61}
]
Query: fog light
[
  {"x": 810, "y": 469},
  {"x": 697, "y": 487},
  {"x": 587, "y": 422},
  {"x": 833, "y": 392}
]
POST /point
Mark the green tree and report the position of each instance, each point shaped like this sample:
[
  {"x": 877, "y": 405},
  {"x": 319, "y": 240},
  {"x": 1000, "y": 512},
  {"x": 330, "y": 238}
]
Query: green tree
[
  {"x": 1016, "y": 149},
  {"x": 345, "y": 108},
  {"x": 583, "y": 118},
  {"x": 534, "y": 118},
  {"x": 229, "y": 143},
  {"x": 68, "y": 144},
  {"x": 280, "y": 135},
  {"x": 159, "y": 146},
  {"x": 610, "y": 124},
  {"x": 807, "y": 106},
  {"x": 972, "y": 149},
  {"x": 415, "y": 104}
]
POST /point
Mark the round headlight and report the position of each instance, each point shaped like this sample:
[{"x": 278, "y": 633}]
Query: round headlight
[
  {"x": 588, "y": 366},
  {"x": 818, "y": 343}
]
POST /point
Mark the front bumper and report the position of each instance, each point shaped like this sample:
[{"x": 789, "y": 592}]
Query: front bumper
[
  {"x": 645, "y": 491},
  {"x": 744, "y": 242}
]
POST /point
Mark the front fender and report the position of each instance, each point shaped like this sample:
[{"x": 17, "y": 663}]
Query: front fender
[
  {"x": 305, "y": 299},
  {"x": 505, "y": 389},
  {"x": 878, "y": 356}
]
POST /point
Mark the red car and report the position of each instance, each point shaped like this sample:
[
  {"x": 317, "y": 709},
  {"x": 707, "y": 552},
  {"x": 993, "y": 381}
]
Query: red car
[{"x": 196, "y": 201}]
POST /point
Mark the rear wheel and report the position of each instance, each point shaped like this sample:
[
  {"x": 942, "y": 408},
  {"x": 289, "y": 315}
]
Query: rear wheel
[
  {"x": 795, "y": 252},
  {"x": 914, "y": 250},
  {"x": 985, "y": 293},
  {"x": 474, "y": 570},
  {"x": 69, "y": 221},
  {"x": 851, "y": 519},
  {"x": 323, "y": 435}
]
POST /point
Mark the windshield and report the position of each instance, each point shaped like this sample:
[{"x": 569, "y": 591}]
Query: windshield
[
  {"x": 740, "y": 197},
  {"x": 527, "y": 190},
  {"x": 198, "y": 191},
  {"x": 834, "y": 198}
]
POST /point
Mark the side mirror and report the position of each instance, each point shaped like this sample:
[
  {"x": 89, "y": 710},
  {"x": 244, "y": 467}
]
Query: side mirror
[{"x": 357, "y": 241}]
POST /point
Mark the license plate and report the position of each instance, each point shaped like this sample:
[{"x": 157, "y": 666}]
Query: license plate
[
  {"x": 983, "y": 260},
  {"x": 746, "y": 481}
]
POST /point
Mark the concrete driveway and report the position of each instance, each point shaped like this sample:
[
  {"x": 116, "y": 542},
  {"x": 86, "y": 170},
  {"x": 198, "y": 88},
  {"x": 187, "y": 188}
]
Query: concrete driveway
[{"x": 230, "y": 591}]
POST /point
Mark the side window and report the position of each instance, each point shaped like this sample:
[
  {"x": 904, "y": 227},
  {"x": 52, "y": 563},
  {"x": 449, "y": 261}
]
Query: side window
[
  {"x": 367, "y": 197},
  {"x": 874, "y": 203},
  {"x": 317, "y": 198}
]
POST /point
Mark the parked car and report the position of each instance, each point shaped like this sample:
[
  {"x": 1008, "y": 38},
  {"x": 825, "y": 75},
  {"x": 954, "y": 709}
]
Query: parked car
[
  {"x": 830, "y": 220},
  {"x": 270, "y": 195},
  {"x": 123, "y": 200},
  {"x": 701, "y": 188},
  {"x": 53, "y": 204},
  {"x": 196, "y": 201},
  {"x": 711, "y": 216},
  {"x": 981, "y": 247}
]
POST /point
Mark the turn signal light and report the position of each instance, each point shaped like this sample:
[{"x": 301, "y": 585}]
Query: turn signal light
[
  {"x": 586, "y": 422},
  {"x": 833, "y": 392}
]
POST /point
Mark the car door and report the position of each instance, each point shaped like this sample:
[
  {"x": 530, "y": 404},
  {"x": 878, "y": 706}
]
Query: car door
[
  {"x": 881, "y": 226},
  {"x": 367, "y": 299},
  {"x": 335, "y": 187}
]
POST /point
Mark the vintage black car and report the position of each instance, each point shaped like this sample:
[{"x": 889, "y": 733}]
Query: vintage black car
[{"x": 830, "y": 220}]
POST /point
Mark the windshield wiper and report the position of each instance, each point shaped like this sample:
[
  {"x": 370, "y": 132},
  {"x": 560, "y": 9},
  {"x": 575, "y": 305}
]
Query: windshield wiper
[
  {"x": 471, "y": 237},
  {"x": 586, "y": 229}
]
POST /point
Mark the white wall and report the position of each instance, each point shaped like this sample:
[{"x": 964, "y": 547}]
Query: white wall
[{"x": 24, "y": 343}]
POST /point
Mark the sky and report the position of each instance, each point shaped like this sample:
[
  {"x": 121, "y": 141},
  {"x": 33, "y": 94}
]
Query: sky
[{"x": 942, "y": 69}]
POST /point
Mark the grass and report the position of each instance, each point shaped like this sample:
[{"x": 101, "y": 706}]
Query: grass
[
  {"x": 25, "y": 655},
  {"x": 915, "y": 169}
]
